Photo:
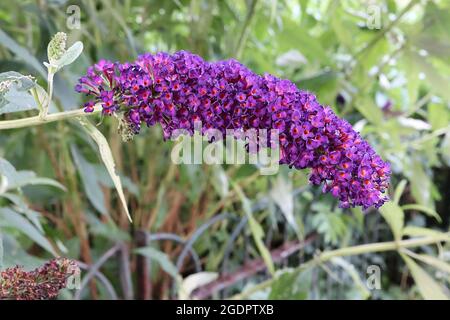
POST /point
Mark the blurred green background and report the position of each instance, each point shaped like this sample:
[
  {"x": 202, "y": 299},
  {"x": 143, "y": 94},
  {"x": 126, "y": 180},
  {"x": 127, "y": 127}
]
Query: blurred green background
[{"x": 382, "y": 65}]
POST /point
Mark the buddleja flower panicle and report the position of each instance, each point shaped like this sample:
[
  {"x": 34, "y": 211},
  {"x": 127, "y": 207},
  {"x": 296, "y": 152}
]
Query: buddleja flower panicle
[{"x": 176, "y": 90}]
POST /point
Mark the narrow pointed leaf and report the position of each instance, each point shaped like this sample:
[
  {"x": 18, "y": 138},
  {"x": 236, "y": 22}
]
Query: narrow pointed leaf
[{"x": 107, "y": 158}]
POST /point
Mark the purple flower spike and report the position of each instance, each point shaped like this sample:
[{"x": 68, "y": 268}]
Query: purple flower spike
[{"x": 179, "y": 89}]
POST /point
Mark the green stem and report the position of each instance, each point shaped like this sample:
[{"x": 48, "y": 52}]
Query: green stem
[
  {"x": 386, "y": 29},
  {"x": 423, "y": 101},
  {"x": 36, "y": 98},
  {"x": 38, "y": 120},
  {"x": 244, "y": 34},
  {"x": 350, "y": 251},
  {"x": 43, "y": 114},
  {"x": 436, "y": 133},
  {"x": 382, "y": 246}
]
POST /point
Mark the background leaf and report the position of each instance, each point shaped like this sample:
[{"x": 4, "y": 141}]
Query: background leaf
[
  {"x": 90, "y": 181},
  {"x": 107, "y": 157},
  {"x": 21, "y": 52},
  {"x": 194, "y": 281},
  {"x": 160, "y": 257},
  {"x": 256, "y": 229},
  {"x": 70, "y": 55},
  {"x": 281, "y": 194},
  {"x": 394, "y": 216},
  {"x": 291, "y": 285},
  {"x": 16, "y": 179},
  {"x": 428, "y": 287},
  {"x": 9, "y": 218},
  {"x": 1, "y": 251}
]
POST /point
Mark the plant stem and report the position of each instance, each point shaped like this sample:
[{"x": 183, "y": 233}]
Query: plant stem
[
  {"x": 38, "y": 120},
  {"x": 436, "y": 133},
  {"x": 36, "y": 98},
  {"x": 386, "y": 29},
  {"x": 349, "y": 251},
  {"x": 44, "y": 112},
  {"x": 419, "y": 104},
  {"x": 382, "y": 246},
  {"x": 244, "y": 33}
]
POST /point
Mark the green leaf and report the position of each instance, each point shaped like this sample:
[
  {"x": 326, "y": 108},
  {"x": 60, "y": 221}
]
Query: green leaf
[
  {"x": 394, "y": 216},
  {"x": 258, "y": 235},
  {"x": 413, "y": 231},
  {"x": 341, "y": 26},
  {"x": 17, "y": 179},
  {"x": 324, "y": 82},
  {"x": 194, "y": 281},
  {"x": 108, "y": 160},
  {"x": 445, "y": 148},
  {"x": 359, "y": 216},
  {"x": 421, "y": 184},
  {"x": 436, "y": 81},
  {"x": 331, "y": 224},
  {"x": 255, "y": 228},
  {"x": 16, "y": 101},
  {"x": 21, "y": 52},
  {"x": 89, "y": 178},
  {"x": 293, "y": 36},
  {"x": 14, "y": 95},
  {"x": 119, "y": 18},
  {"x": 432, "y": 261},
  {"x": 350, "y": 269},
  {"x": 291, "y": 285},
  {"x": 23, "y": 83},
  {"x": 1, "y": 250},
  {"x": 17, "y": 255},
  {"x": 428, "y": 287},
  {"x": 70, "y": 55},
  {"x": 10, "y": 218},
  {"x": 434, "y": 36},
  {"x": 219, "y": 180},
  {"x": 22, "y": 207},
  {"x": 292, "y": 59},
  {"x": 436, "y": 19},
  {"x": 438, "y": 115},
  {"x": 105, "y": 179},
  {"x": 428, "y": 211},
  {"x": 399, "y": 191},
  {"x": 106, "y": 229},
  {"x": 438, "y": 48},
  {"x": 160, "y": 257},
  {"x": 33, "y": 180},
  {"x": 369, "y": 109},
  {"x": 281, "y": 194}
]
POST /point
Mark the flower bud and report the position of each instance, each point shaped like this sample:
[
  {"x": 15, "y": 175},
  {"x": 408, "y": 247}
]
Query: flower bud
[{"x": 56, "y": 47}]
